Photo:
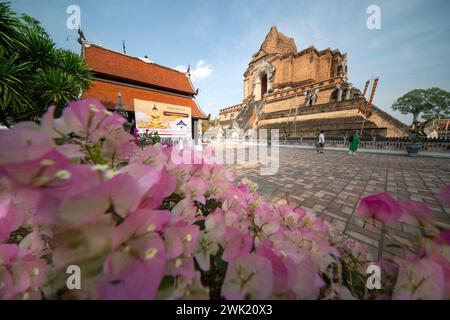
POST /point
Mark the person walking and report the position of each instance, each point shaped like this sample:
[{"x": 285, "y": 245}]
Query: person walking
[
  {"x": 321, "y": 141},
  {"x": 354, "y": 142}
]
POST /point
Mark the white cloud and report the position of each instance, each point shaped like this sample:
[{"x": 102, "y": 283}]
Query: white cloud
[{"x": 200, "y": 72}]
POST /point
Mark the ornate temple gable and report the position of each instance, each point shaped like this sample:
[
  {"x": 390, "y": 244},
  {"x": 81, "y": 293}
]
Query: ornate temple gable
[
  {"x": 262, "y": 80},
  {"x": 260, "y": 54}
]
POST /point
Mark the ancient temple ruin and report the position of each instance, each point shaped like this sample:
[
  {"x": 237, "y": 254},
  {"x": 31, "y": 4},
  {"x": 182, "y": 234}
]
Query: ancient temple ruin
[{"x": 303, "y": 92}]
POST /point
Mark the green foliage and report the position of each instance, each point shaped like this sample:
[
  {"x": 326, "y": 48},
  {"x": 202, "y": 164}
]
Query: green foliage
[
  {"x": 432, "y": 103},
  {"x": 413, "y": 102},
  {"x": 148, "y": 138},
  {"x": 210, "y": 123},
  {"x": 438, "y": 104},
  {"x": 10, "y": 36},
  {"x": 33, "y": 72},
  {"x": 287, "y": 131}
]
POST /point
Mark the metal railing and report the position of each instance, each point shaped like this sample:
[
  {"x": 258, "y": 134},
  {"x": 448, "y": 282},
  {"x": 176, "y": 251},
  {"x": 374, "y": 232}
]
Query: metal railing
[{"x": 397, "y": 144}]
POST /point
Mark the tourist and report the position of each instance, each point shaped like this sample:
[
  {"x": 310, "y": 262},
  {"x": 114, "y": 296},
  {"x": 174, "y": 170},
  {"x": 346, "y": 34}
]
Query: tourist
[
  {"x": 321, "y": 141},
  {"x": 354, "y": 142}
]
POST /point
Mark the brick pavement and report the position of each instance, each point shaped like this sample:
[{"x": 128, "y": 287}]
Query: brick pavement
[{"x": 331, "y": 185}]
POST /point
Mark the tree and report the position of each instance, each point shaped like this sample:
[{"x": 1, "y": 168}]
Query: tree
[
  {"x": 433, "y": 103},
  {"x": 438, "y": 104},
  {"x": 33, "y": 72},
  {"x": 413, "y": 102},
  {"x": 287, "y": 131},
  {"x": 210, "y": 123}
]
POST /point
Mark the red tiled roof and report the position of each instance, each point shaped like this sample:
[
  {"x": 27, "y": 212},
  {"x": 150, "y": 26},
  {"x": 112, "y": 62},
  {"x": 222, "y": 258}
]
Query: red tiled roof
[
  {"x": 107, "y": 93},
  {"x": 122, "y": 66}
]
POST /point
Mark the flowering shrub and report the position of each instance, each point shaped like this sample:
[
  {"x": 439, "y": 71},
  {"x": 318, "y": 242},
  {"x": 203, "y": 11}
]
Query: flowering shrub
[
  {"x": 147, "y": 138},
  {"x": 78, "y": 191}
]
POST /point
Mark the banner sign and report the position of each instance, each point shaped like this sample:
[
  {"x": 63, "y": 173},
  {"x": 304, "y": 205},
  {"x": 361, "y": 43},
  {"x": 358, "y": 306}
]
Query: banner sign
[
  {"x": 363, "y": 96},
  {"x": 372, "y": 94},
  {"x": 168, "y": 119}
]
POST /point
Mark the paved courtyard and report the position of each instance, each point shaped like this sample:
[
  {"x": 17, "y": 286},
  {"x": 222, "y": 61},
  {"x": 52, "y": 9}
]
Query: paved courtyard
[{"x": 331, "y": 185}]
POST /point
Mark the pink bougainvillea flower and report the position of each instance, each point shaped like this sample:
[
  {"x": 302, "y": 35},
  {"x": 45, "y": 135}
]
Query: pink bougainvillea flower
[
  {"x": 28, "y": 273},
  {"x": 308, "y": 282},
  {"x": 38, "y": 172},
  {"x": 291, "y": 218},
  {"x": 215, "y": 224},
  {"x": 195, "y": 187},
  {"x": 88, "y": 117},
  {"x": 146, "y": 176},
  {"x": 438, "y": 250},
  {"x": 139, "y": 223},
  {"x": 174, "y": 244},
  {"x": 70, "y": 151},
  {"x": 21, "y": 273},
  {"x": 23, "y": 144},
  {"x": 419, "y": 280},
  {"x": 164, "y": 188},
  {"x": 11, "y": 218},
  {"x": 181, "y": 239},
  {"x": 136, "y": 271},
  {"x": 7, "y": 290},
  {"x": 186, "y": 209},
  {"x": 381, "y": 207},
  {"x": 195, "y": 290},
  {"x": 237, "y": 244},
  {"x": 266, "y": 219},
  {"x": 206, "y": 246},
  {"x": 220, "y": 179},
  {"x": 444, "y": 197},
  {"x": 76, "y": 244},
  {"x": 243, "y": 188},
  {"x": 250, "y": 276},
  {"x": 153, "y": 156},
  {"x": 8, "y": 251},
  {"x": 416, "y": 212},
  {"x": 182, "y": 266},
  {"x": 54, "y": 128},
  {"x": 210, "y": 156},
  {"x": 117, "y": 145},
  {"x": 32, "y": 245},
  {"x": 284, "y": 268},
  {"x": 122, "y": 193}
]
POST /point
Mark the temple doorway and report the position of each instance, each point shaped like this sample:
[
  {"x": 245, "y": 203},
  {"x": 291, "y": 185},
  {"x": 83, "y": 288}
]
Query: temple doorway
[{"x": 263, "y": 85}]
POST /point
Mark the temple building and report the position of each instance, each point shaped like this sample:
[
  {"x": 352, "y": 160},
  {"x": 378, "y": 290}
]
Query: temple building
[
  {"x": 303, "y": 92},
  {"x": 120, "y": 79}
]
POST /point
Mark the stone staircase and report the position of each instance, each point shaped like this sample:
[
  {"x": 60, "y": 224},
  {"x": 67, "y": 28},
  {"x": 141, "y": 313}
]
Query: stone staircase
[
  {"x": 337, "y": 127},
  {"x": 377, "y": 121},
  {"x": 244, "y": 119}
]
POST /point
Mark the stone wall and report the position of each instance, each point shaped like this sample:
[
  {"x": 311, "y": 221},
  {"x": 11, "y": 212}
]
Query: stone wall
[{"x": 323, "y": 97}]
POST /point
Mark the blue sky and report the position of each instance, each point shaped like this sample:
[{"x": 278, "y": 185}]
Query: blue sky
[{"x": 217, "y": 38}]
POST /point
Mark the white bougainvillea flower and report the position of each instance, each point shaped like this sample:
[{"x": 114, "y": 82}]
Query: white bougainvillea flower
[
  {"x": 308, "y": 282},
  {"x": 248, "y": 277},
  {"x": 206, "y": 246},
  {"x": 422, "y": 279}
]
